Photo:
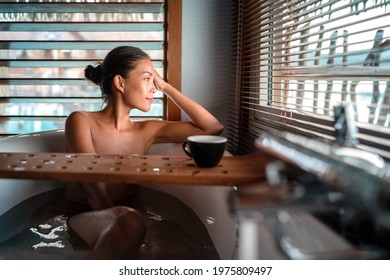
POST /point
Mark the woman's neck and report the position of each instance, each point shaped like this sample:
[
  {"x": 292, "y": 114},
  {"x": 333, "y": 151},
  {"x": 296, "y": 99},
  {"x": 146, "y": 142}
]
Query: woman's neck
[{"x": 118, "y": 116}]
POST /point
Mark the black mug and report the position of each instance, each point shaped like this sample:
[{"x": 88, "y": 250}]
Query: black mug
[{"x": 205, "y": 150}]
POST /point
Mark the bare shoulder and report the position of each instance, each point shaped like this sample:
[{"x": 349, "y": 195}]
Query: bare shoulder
[
  {"x": 78, "y": 117},
  {"x": 77, "y": 120}
]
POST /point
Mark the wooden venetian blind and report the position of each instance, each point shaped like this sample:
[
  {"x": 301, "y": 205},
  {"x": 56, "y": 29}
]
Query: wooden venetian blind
[
  {"x": 45, "y": 46},
  {"x": 298, "y": 59}
]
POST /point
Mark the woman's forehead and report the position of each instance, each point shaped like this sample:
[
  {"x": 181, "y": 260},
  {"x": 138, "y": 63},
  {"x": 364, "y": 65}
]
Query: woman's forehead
[{"x": 144, "y": 65}]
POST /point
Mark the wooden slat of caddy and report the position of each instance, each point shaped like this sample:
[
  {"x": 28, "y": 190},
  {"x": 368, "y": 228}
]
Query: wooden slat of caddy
[{"x": 136, "y": 169}]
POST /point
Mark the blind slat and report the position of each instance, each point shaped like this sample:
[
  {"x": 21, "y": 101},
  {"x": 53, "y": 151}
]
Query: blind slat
[
  {"x": 81, "y": 45},
  {"x": 56, "y": 63},
  {"x": 81, "y": 27},
  {"x": 46, "y": 45},
  {"x": 302, "y": 58},
  {"x": 86, "y": 7}
]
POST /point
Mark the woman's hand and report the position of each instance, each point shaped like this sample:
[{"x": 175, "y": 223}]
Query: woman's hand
[
  {"x": 200, "y": 120},
  {"x": 159, "y": 83}
]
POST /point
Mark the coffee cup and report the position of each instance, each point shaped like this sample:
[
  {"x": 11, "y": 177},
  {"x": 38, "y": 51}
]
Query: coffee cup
[{"x": 205, "y": 150}]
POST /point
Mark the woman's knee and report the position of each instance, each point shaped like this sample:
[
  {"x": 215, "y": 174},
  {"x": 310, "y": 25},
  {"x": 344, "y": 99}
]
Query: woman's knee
[{"x": 128, "y": 219}]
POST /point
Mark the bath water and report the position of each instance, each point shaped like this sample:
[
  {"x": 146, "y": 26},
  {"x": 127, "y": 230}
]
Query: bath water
[{"x": 173, "y": 232}]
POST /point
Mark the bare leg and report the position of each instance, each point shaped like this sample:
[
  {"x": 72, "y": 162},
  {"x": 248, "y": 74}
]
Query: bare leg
[{"x": 116, "y": 232}]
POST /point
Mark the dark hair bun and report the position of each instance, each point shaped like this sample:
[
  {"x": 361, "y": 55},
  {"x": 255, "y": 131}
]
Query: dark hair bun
[{"x": 94, "y": 73}]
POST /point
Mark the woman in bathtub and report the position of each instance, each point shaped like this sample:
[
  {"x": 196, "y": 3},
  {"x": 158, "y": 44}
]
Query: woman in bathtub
[{"x": 127, "y": 80}]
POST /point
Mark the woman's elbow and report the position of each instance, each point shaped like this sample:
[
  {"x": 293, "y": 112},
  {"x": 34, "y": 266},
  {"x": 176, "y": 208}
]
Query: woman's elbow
[{"x": 217, "y": 129}]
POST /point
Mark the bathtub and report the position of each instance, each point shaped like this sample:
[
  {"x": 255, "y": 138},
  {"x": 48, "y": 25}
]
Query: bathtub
[{"x": 208, "y": 203}]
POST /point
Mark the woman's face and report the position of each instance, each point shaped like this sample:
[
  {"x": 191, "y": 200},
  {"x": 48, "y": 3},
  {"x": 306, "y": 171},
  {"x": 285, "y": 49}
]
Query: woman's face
[{"x": 139, "y": 86}]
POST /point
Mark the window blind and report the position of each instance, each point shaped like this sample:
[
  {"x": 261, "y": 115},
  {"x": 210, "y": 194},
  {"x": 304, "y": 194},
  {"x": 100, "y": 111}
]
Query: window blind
[
  {"x": 45, "y": 46},
  {"x": 298, "y": 59}
]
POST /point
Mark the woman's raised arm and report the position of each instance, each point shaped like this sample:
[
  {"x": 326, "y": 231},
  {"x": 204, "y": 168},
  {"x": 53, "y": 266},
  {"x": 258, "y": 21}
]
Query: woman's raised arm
[{"x": 201, "y": 120}]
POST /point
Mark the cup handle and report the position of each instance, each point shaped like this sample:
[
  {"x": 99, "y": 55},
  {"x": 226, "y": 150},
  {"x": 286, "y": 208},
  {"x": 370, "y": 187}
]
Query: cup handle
[{"x": 185, "y": 149}]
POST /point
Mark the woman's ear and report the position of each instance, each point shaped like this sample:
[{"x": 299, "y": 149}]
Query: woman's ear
[{"x": 118, "y": 83}]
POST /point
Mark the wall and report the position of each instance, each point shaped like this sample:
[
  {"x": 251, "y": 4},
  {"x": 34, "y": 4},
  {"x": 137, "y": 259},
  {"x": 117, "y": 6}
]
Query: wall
[{"x": 207, "y": 54}]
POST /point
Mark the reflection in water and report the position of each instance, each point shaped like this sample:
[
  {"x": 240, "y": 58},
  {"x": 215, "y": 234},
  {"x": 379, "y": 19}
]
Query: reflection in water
[
  {"x": 57, "y": 244},
  {"x": 49, "y": 230}
]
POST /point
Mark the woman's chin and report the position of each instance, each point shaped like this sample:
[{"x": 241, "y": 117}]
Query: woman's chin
[{"x": 146, "y": 109}]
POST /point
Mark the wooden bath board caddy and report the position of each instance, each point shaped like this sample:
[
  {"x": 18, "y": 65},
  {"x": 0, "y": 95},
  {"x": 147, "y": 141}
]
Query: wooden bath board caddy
[{"x": 134, "y": 169}]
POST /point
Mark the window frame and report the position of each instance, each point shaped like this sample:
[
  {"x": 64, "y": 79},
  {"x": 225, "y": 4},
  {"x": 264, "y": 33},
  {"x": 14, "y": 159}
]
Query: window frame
[{"x": 173, "y": 56}]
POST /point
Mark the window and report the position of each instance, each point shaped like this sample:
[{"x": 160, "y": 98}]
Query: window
[
  {"x": 299, "y": 59},
  {"x": 45, "y": 46}
]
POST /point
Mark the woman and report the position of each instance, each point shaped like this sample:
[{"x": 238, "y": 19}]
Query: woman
[{"x": 128, "y": 81}]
